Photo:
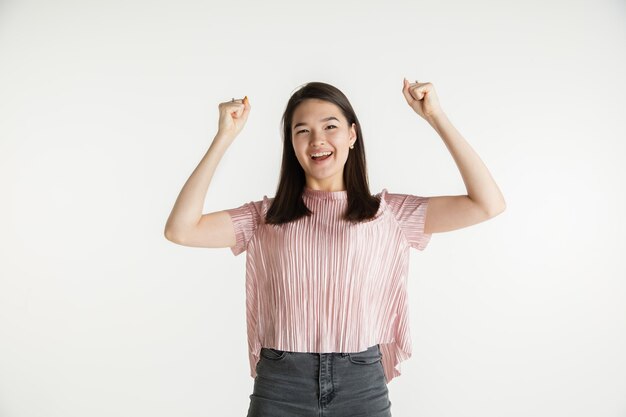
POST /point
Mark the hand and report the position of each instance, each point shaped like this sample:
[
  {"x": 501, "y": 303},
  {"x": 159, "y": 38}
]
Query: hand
[
  {"x": 233, "y": 116},
  {"x": 422, "y": 98}
]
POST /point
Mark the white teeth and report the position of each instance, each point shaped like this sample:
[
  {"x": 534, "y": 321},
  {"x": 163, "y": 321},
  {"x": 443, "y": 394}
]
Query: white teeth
[{"x": 321, "y": 154}]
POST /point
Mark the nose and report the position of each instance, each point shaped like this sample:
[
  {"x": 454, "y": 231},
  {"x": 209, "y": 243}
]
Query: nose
[{"x": 317, "y": 139}]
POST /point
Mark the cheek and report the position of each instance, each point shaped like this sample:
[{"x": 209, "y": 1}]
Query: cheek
[
  {"x": 301, "y": 155},
  {"x": 340, "y": 158}
]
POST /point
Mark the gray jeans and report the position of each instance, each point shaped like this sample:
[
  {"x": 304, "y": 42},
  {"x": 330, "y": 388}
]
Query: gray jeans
[{"x": 293, "y": 384}]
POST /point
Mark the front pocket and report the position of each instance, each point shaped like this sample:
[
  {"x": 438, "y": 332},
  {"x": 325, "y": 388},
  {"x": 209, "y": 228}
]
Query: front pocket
[
  {"x": 367, "y": 357},
  {"x": 273, "y": 354}
]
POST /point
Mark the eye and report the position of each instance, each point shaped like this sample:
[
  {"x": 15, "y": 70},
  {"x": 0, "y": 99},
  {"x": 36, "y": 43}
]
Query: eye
[{"x": 304, "y": 130}]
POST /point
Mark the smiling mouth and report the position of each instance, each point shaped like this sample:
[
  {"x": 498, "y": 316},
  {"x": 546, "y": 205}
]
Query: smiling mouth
[{"x": 321, "y": 158}]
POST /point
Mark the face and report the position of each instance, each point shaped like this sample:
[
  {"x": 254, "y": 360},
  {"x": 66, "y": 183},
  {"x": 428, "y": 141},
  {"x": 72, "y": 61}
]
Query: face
[{"x": 319, "y": 126}]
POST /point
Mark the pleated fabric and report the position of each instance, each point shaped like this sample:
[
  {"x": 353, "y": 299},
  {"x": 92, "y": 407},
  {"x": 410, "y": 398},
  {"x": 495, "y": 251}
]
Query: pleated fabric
[{"x": 321, "y": 284}]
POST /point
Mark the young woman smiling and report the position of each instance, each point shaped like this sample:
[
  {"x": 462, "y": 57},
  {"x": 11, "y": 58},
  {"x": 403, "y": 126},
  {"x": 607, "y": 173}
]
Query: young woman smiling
[{"x": 327, "y": 261}]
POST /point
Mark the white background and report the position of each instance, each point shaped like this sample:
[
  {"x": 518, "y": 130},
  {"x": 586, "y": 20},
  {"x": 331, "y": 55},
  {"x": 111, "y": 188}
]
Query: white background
[{"x": 107, "y": 107}]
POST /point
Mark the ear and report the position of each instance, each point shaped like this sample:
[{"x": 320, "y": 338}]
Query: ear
[{"x": 353, "y": 137}]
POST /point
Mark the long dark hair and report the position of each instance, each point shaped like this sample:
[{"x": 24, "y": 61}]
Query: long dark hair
[{"x": 288, "y": 204}]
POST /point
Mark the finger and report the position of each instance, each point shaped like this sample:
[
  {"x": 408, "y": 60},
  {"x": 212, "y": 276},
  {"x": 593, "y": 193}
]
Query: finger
[
  {"x": 241, "y": 109},
  {"x": 233, "y": 102},
  {"x": 230, "y": 105},
  {"x": 407, "y": 94},
  {"x": 246, "y": 109},
  {"x": 234, "y": 106},
  {"x": 420, "y": 91},
  {"x": 412, "y": 91},
  {"x": 236, "y": 113}
]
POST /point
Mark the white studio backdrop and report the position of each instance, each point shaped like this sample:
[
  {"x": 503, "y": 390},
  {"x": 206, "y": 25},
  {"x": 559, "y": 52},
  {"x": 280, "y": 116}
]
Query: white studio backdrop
[{"x": 106, "y": 107}]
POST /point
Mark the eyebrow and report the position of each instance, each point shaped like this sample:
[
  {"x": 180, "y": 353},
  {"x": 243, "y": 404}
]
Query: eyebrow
[{"x": 323, "y": 120}]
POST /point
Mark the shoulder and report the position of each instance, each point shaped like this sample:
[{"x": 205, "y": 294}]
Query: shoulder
[
  {"x": 396, "y": 198},
  {"x": 254, "y": 210},
  {"x": 264, "y": 205},
  {"x": 409, "y": 211},
  {"x": 401, "y": 204}
]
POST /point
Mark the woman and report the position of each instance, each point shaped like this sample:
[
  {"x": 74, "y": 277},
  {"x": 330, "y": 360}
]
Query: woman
[{"x": 326, "y": 265}]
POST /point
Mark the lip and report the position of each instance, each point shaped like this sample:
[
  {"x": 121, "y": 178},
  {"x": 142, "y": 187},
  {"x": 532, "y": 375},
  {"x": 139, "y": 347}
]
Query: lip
[
  {"x": 321, "y": 150},
  {"x": 323, "y": 160}
]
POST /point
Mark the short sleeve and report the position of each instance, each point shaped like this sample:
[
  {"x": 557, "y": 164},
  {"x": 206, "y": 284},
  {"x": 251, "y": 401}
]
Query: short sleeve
[
  {"x": 245, "y": 220},
  {"x": 410, "y": 212}
]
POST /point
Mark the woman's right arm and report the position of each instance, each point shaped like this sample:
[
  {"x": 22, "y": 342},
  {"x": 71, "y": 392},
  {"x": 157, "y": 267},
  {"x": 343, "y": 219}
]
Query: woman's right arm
[{"x": 186, "y": 225}]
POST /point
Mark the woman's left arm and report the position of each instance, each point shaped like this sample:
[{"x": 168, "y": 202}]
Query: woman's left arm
[{"x": 484, "y": 199}]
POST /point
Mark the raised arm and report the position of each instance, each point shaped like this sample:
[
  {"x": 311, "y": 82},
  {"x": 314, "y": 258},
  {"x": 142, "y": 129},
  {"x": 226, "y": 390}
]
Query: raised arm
[
  {"x": 484, "y": 199},
  {"x": 186, "y": 225}
]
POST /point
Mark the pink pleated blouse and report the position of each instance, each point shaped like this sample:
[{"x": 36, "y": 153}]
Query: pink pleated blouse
[{"x": 320, "y": 284}]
